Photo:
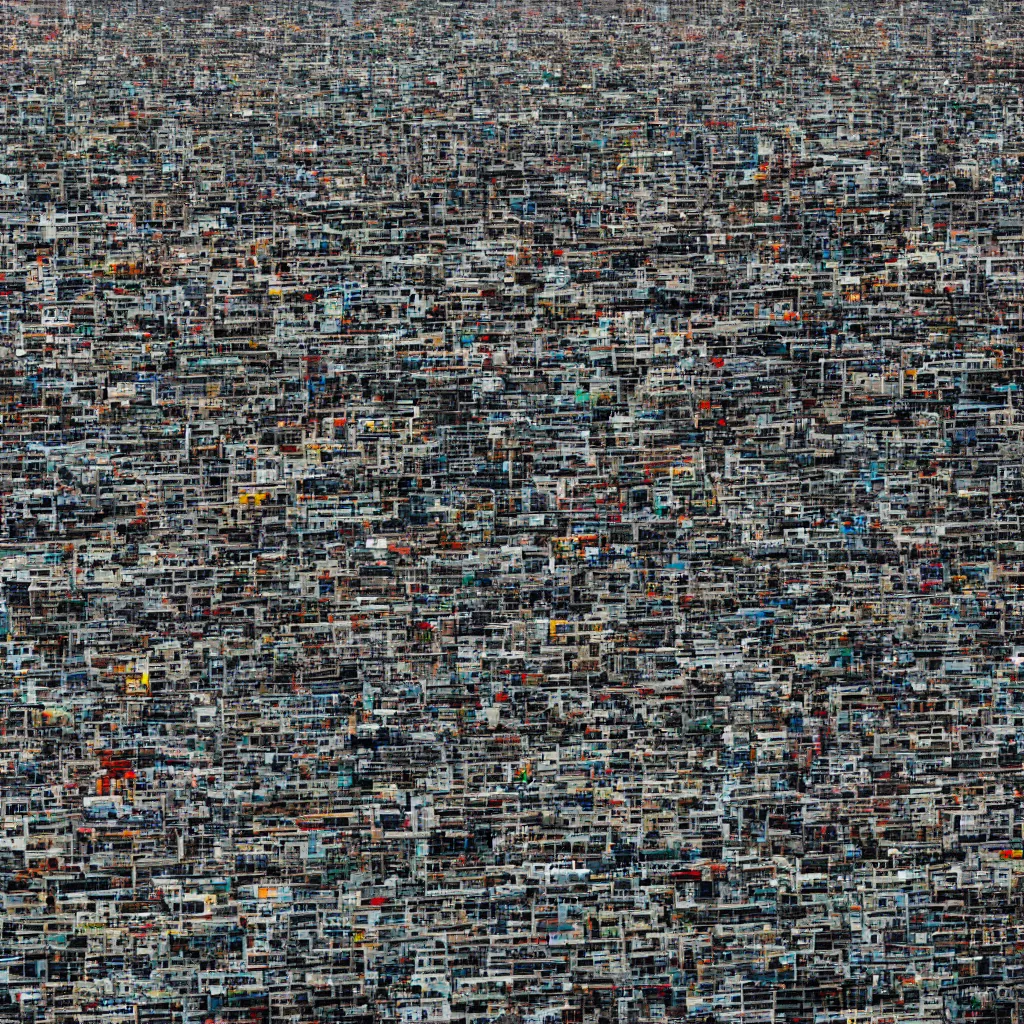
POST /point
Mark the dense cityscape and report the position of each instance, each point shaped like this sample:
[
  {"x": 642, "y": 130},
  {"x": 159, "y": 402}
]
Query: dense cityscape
[{"x": 511, "y": 512}]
